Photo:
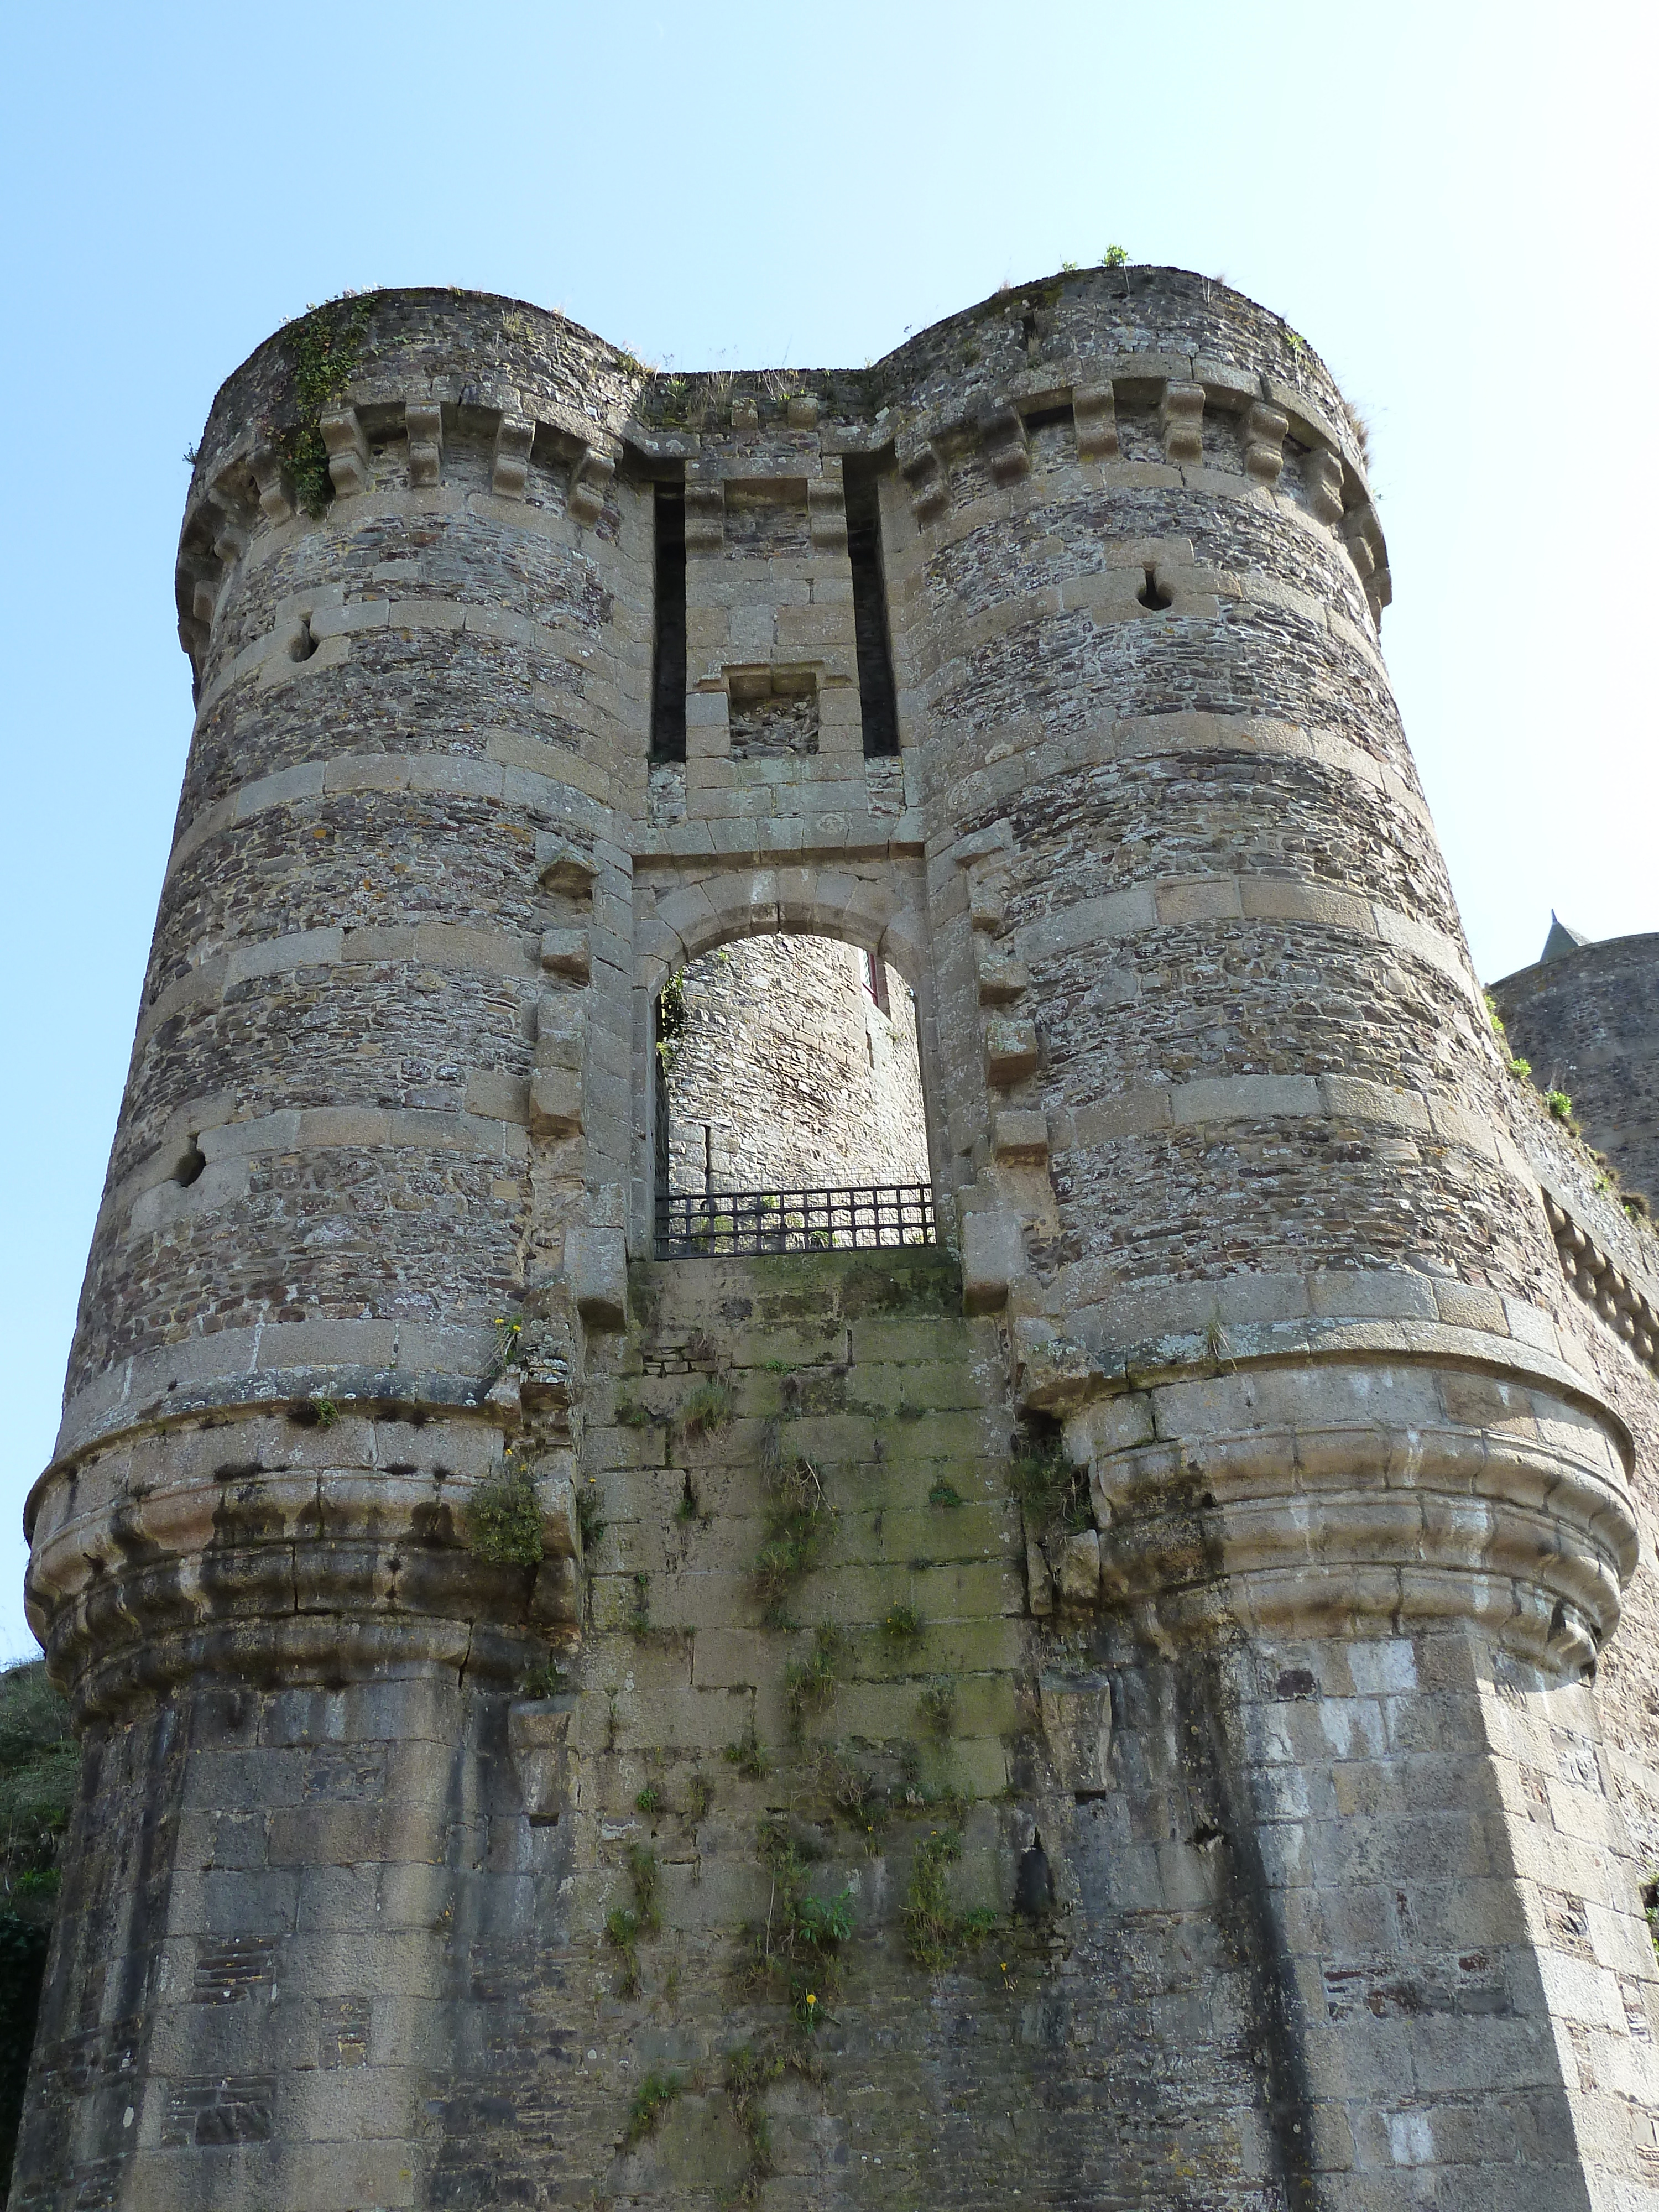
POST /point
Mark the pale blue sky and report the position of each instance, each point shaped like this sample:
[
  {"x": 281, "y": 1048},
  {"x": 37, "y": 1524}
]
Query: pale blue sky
[{"x": 1454, "y": 203}]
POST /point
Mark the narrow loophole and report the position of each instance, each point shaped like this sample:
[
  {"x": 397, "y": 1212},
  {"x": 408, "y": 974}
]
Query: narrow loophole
[
  {"x": 304, "y": 644},
  {"x": 1153, "y": 595},
  {"x": 190, "y": 1167}
]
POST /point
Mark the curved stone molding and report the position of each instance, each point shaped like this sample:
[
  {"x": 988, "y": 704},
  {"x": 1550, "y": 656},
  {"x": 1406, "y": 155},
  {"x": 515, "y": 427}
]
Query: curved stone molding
[{"x": 1362, "y": 1496}]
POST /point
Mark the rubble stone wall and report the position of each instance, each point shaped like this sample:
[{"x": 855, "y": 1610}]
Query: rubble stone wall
[{"x": 787, "y": 1073}]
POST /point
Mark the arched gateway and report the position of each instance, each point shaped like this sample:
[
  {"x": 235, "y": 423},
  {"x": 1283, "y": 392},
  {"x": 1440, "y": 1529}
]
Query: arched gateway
[{"x": 1115, "y": 1705}]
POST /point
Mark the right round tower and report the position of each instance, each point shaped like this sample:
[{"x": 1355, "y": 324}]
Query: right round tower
[{"x": 1288, "y": 1281}]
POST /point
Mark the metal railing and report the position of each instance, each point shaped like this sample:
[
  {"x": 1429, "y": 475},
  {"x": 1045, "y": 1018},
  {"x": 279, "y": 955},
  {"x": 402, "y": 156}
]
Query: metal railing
[{"x": 709, "y": 1223}]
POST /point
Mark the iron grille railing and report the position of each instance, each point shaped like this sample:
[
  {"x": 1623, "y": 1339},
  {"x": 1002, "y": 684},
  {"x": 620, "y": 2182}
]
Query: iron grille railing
[{"x": 712, "y": 1223}]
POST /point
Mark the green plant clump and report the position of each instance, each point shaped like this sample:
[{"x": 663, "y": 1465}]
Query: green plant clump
[
  {"x": 631, "y": 1415},
  {"x": 945, "y": 1493},
  {"x": 1054, "y": 1495},
  {"x": 935, "y": 1932},
  {"x": 709, "y": 1408},
  {"x": 938, "y": 1703},
  {"x": 548, "y": 1681},
  {"x": 902, "y": 1624},
  {"x": 1114, "y": 257},
  {"x": 589, "y": 1519},
  {"x": 1560, "y": 1105},
  {"x": 649, "y": 1800},
  {"x": 801, "y": 1938},
  {"x": 749, "y": 1756},
  {"x": 648, "y": 2104},
  {"x": 798, "y": 1519},
  {"x": 810, "y": 1684},
  {"x": 504, "y": 1520},
  {"x": 1519, "y": 1067},
  {"x": 322, "y": 347}
]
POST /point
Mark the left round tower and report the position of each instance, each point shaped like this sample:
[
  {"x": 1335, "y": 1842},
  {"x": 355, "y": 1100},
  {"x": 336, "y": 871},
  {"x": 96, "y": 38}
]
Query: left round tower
[{"x": 367, "y": 1120}]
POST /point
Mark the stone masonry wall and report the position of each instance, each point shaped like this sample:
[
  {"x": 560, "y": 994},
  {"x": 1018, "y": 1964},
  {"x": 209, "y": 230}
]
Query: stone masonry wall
[
  {"x": 794, "y": 1073},
  {"x": 1588, "y": 1022}
]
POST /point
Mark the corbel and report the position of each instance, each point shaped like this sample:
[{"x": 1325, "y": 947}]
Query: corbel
[
  {"x": 1321, "y": 472},
  {"x": 1265, "y": 431},
  {"x": 1001, "y": 978},
  {"x": 274, "y": 502},
  {"x": 705, "y": 514},
  {"x": 590, "y": 478},
  {"x": 1181, "y": 422},
  {"x": 1094, "y": 415},
  {"x": 514, "y": 436},
  {"x": 348, "y": 451},
  {"x": 927, "y": 479},
  {"x": 1002, "y": 434},
  {"x": 563, "y": 867},
  {"x": 424, "y": 419},
  {"x": 567, "y": 952},
  {"x": 826, "y": 509}
]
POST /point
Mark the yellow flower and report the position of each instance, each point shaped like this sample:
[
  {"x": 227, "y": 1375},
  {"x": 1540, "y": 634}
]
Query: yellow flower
[{"x": 810, "y": 1997}]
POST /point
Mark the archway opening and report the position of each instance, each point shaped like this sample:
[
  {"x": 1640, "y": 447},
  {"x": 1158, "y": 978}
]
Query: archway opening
[{"x": 788, "y": 1112}]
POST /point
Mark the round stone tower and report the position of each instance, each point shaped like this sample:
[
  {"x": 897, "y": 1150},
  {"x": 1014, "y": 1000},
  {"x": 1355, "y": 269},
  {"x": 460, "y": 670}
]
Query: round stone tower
[{"x": 521, "y": 1682}]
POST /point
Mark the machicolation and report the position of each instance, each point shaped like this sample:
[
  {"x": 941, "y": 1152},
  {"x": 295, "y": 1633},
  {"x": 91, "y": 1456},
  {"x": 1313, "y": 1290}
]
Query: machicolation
[{"x": 840, "y": 1434}]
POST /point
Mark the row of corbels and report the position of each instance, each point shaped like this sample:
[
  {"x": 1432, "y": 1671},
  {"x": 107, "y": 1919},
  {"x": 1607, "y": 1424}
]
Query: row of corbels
[
  {"x": 1001, "y": 983},
  {"x": 254, "y": 483},
  {"x": 1336, "y": 496},
  {"x": 1603, "y": 1284}
]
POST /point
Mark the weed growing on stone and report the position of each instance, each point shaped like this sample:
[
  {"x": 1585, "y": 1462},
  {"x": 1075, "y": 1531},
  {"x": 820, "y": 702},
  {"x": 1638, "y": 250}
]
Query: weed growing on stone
[
  {"x": 938, "y": 1703},
  {"x": 799, "y": 1519},
  {"x": 649, "y": 1800},
  {"x": 648, "y": 2104},
  {"x": 1493, "y": 1014},
  {"x": 630, "y": 1415},
  {"x": 509, "y": 1337},
  {"x": 1114, "y": 257},
  {"x": 699, "y": 1797},
  {"x": 1052, "y": 1492},
  {"x": 1520, "y": 1068},
  {"x": 945, "y": 1493},
  {"x": 801, "y": 1938},
  {"x": 548, "y": 1681},
  {"x": 810, "y": 1684},
  {"x": 935, "y": 1932},
  {"x": 854, "y": 1793},
  {"x": 589, "y": 1519},
  {"x": 315, "y": 1413},
  {"x": 642, "y": 1873},
  {"x": 686, "y": 1509},
  {"x": 504, "y": 1520},
  {"x": 322, "y": 348},
  {"x": 902, "y": 1625},
  {"x": 709, "y": 1408},
  {"x": 639, "y": 1620},
  {"x": 778, "y": 1367},
  {"x": 1560, "y": 1106},
  {"x": 748, "y": 1755},
  {"x": 621, "y": 1928}
]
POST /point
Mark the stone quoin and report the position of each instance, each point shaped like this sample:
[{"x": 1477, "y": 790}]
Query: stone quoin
[{"x": 1119, "y": 1705}]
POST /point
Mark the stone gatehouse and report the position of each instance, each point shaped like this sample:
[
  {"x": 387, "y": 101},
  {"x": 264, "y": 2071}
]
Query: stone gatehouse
[{"x": 1117, "y": 1698}]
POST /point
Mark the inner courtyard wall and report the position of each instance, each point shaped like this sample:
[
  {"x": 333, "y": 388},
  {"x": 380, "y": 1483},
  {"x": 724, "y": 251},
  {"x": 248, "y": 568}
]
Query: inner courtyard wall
[{"x": 787, "y": 1072}]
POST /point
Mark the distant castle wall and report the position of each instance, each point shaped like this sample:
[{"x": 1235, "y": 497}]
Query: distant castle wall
[
  {"x": 1588, "y": 1020},
  {"x": 789, "y": 1073}
]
